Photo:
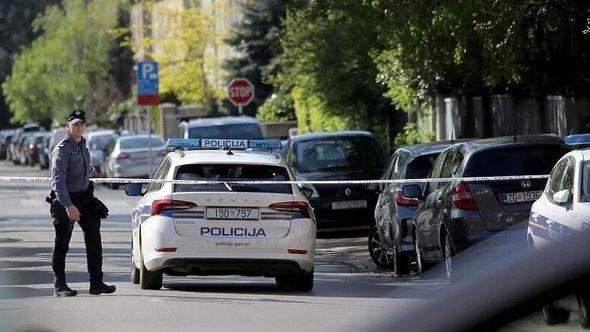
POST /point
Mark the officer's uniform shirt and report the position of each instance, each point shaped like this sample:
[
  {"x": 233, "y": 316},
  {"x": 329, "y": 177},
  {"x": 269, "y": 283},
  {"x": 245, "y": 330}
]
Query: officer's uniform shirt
[{"x": 71, "y": 169}]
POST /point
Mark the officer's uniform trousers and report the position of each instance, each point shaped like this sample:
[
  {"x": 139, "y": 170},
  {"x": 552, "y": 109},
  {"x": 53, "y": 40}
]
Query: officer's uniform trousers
[{"x": 90, "y": 224}]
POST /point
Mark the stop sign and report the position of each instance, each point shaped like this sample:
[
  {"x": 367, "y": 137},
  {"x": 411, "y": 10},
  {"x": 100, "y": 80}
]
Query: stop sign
[{"x": 240, "y": 91}]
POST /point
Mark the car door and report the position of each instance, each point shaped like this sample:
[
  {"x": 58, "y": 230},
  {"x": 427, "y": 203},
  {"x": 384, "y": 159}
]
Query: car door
[
  {"x": 425, "y": 211},
  {"x": 381, "y": 217}
]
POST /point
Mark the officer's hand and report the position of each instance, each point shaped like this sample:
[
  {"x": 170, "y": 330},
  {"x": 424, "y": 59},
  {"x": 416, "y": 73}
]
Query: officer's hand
[
  {"x": 73, "y": 213},
  {"x": 93, "y": 172}
]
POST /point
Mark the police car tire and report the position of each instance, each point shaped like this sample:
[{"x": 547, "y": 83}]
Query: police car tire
[
  {"x": 135, "y": 273},
  {"x": 149, "y": 279},
  {"x": 301, "y": 282},
  {"x": 583, "y": 310}
]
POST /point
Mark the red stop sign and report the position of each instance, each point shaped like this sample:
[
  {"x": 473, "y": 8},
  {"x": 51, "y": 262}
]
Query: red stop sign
[{"x": 240, "y": 91}]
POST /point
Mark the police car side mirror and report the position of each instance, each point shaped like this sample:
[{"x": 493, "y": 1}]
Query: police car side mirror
[
  {"x": 562, "y": 197},
  {"x": 133, "y": 189},
  {"x": 307, "y": 190}
]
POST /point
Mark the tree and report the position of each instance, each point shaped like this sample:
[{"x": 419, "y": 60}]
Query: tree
[{"x": 257, "y": 40}]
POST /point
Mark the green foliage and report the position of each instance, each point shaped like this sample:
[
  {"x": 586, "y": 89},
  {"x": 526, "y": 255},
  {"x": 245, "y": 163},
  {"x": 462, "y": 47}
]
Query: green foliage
[
  {"x": 279, "y": 107},
  {"x": 67, "y": 65},
  {"x": 413, "y": 135}
]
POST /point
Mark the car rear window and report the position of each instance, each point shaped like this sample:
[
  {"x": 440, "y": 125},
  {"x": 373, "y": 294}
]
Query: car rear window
[
  {"x": 140, "y": 142},
  {"x": 337, "y": 153},
  {"x": 420, "y": 166},
  {"x": 223, "y": 172},
  {"x": 585, "y": 181},
  {"x": 230, "y": 131},
  {"x": 515, "y": 160}
]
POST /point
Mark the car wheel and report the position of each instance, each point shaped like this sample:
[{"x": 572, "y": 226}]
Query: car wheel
[
  {"x": 149, "y": 279},
  {"x": 401, "y": 263},
  {"x": 583, "y": 308},
  {"x": 301, "y": 282},
  {"x": 555, "y": 315},
  {"x": 376, "y": 251},
  {"x": 135, "y": 273},
  {"x": 448, "y": 253}
]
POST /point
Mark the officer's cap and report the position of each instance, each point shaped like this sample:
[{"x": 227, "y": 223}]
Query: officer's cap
[{"x": 76, "y": 116}]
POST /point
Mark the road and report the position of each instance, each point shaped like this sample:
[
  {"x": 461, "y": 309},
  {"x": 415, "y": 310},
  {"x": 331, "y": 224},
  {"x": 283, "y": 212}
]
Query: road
[{"x": 348, "y": 288}]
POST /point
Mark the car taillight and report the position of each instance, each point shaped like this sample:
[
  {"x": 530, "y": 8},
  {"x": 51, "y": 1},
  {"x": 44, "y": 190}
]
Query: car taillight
[
  {"x": 160, "y": 204},
  {"x": 462, "y": 198},
  {"x": 122, "y": 156},
  {"x": 402, "y": 200},
  {"x": 298, "y": 206}
]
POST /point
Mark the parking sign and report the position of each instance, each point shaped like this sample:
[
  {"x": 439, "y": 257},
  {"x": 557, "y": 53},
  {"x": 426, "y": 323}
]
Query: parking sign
[{"x": 147, "y": 83}]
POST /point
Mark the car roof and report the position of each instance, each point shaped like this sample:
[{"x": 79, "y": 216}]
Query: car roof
[
  {"x": 329, "y": 134},
  {"x": 431, "y": 147},
  {"x": 505, "y": 141},
  {"x": 101, "y": 132},
  {"x": 222, "y": 157},
  {"x": 228, "y": 120}
]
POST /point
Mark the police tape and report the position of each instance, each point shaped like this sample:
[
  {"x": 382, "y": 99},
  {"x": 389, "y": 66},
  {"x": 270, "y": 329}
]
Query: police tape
[{"x": 297, "y": 182}]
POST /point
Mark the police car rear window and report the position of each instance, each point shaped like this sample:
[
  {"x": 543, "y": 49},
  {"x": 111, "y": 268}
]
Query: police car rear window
[{"x": 222, "y": 172}]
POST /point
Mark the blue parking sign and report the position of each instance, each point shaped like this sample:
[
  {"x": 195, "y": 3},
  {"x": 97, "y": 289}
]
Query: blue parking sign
[{"x": 147, "y": 83}]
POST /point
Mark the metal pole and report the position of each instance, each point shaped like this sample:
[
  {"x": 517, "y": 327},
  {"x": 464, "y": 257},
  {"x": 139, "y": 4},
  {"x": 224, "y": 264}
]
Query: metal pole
[
  {"x": 149, "y": 127},
  {"x": 240, "y": 110}
]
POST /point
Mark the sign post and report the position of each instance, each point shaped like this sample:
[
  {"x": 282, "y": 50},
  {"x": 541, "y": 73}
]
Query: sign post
[
  {"x": 148, "y": 94},
  {"x": 240, "y": 92}
]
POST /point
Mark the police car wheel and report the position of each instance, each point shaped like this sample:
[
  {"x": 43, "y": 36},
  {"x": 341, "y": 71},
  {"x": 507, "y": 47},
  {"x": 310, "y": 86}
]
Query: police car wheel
[
  {"x": 583, "y": 310},
  {"x": 302, "y": 282},
  {"x": 149, "y": 279},
  {"x": 134, "y": 270}
]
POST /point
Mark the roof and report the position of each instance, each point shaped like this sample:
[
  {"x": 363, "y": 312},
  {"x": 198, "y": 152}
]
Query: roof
[
  {"x": 228, "y": 120},
  {"x": 330, "y": 134},
  {"x": 509, "y": 140},
  {"x": 431, "y": 147},
  {"x": 222, "y": 157}
]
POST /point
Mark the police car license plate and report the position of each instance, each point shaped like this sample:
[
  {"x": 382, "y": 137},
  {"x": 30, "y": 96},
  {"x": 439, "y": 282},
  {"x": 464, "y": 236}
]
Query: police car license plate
[
  {"x": 232, "y": 213},
  {"x": 521, "y": 197},
  {"x": 349, "y": 205}
]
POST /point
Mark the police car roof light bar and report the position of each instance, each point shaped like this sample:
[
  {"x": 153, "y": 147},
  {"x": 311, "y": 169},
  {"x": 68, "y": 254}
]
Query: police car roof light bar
[{"x": 218, "y": 143}]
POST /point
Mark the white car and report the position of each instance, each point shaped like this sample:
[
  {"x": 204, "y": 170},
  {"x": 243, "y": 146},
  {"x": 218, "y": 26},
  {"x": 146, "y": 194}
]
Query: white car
[
  {"x": 223, "y": 227},
  {"x": 564, "y": 207}
]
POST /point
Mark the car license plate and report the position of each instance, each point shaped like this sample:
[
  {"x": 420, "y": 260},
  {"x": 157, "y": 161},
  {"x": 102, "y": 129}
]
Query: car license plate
[
  {"x": 344, "y": 205},
  {"x": 226, "y": 213},
  {"x": 527, "y": 196}
]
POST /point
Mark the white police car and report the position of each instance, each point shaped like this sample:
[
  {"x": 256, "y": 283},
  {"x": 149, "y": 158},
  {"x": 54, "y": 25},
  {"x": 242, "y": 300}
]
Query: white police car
[
  {"x": 564, "y": 207},
  {"x": 223, "y": 227}
]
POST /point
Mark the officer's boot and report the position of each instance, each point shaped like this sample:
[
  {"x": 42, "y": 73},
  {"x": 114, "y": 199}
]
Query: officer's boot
[
  {"x": 101, "y": 288},
  {"x": 64, "y": 291}
]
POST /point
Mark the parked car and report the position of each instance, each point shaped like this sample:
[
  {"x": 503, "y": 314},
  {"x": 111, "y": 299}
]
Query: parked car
[
  {"x": 453, "y": 216},
  {"x": 230, "y": 127},
  {"x": 97, "y": 142},
  {"x": 5, "y": 139},
  {"x": 341, "y": 155},
  {"x": 390, "y": 241},
  {"x": 32, "y": 145},
  {"x": 128, "y": 156},
  {"x": 45, "y": 152},
  {"x": 22, "y": 147},
  {"x": 17, "y": 140}
]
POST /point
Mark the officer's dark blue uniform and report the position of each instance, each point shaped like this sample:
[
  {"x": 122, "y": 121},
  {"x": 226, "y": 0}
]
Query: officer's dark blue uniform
[{"x": 70, "y": 180}]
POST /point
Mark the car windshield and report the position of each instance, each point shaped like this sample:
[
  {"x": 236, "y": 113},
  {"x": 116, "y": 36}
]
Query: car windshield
[
  {"x": 140, "y": 143},
  {"x": 231, "y": 131},
  {"x": 99, "y": 142},
  {"x": 233, "y": 173},
  {"x": 585, "y": 182},
  {"x": 515, "y": 160},
  {"x": 333, "y": 153}
]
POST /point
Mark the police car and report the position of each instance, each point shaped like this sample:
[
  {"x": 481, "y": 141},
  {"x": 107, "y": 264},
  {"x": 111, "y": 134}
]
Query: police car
[
  {"x": 564, "y": 207},
  {"x": 217, "y": 224}
]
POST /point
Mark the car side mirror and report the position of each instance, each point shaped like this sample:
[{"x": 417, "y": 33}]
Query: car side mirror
[
  {"x": 412, "y": 191},
  {"x": 562, "y": 196},
  {"x": 134, "y": 189},
  {"x": 307, "y": 190}
]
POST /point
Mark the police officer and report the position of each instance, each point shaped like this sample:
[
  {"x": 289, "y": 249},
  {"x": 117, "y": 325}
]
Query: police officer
[{"x": 70, "y": 180}]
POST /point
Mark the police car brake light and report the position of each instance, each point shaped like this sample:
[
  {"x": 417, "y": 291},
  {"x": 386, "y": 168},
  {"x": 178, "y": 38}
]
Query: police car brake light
[
  {"x": 298, "y": 206},
  {"x": 160, "y": 205},
  {"x": 222, "y": 143}
]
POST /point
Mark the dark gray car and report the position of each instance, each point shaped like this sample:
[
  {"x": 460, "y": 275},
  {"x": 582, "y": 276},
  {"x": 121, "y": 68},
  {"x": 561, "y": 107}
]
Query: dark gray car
[
  {"x": 455, "y": 215},
  {"x": 390, "y": 242}
]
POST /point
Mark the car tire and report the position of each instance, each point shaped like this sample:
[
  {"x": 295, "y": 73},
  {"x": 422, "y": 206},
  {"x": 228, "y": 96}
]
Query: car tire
[
  {"x": 135, "y": 273},
  {"x": 376, "y": 251},
  {"x": 583, "y": 310},
  {"x": 555, "y": 315},
  {"x": 149, "y": 279},
  {"x": 300, "y": 282},
  {"x": 421, "y": 265},
  {"x": 401, "y": 263},
  {"x": 448, "y": 253}
]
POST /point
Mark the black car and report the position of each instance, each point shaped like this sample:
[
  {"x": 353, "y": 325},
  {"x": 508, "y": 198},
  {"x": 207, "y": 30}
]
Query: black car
[
  {"x": 5, "y": 139},
  {"x": 390, "y": 241},
  {"x": 453, "y": 216},
  {"x": 45, "y": 152},
  {"x": 342, "y": 155}
]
